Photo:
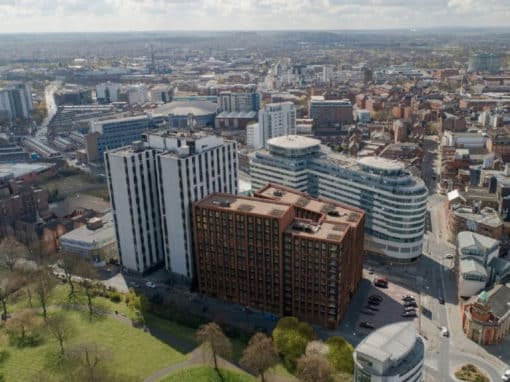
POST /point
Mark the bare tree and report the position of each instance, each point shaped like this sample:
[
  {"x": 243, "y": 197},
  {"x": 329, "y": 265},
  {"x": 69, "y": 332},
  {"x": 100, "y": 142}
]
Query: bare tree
[
  {"x": 11, "y": 251},
  {"x": 219, "y": 343},
  {"x": 8, "y": 286},
  {"x": 23, "y": 323},
  {"x": 87, "y": 273},
  {"x": 260, "y": 355},
  {"x": 70, "y": 264},
  {"x": 314, "y": 368},
  {"x": 60, "y": 328},
  {"x": 88, "y": 361},
  {"x": 44, "y": 282}
]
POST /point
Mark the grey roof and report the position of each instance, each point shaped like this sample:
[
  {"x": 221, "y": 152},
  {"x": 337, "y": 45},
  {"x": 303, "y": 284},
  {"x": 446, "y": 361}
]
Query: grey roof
[
  {"x": 389, "y": 343},
  {"x": 499, "y": 300},
  {"x": 237, "y": 114},
  {"x": 473, "y": 267},
  {"x": 469, "y": 239},
  {"x": 183, "y": 108}
]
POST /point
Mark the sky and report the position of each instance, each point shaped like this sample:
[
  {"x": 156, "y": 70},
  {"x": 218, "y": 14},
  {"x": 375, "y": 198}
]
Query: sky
[{"x": 17, "y": 16}]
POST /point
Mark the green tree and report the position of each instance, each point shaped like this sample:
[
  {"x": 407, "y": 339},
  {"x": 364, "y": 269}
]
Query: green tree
[
  {"x": 291, "y": 337},
  {"x": 340, "y": 354}
]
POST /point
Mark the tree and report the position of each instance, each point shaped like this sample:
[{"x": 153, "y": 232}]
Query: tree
[
  {"x": 87, "y": 273},
  {"x": 11, "y": 251},
  {"x": 219, "y": 343},
  {"x": 87, "y": 362},
  {"x": 314, "y": 368},
  {"x": 43, "y": 285},
  {"x": 340, "y": 354},
  {"x": 260, "y": 355},
  {"x": 8, "y": 286},
  {"x": 291, "y": 337},
  {"x": 22, "y": 326},
  {"x": 60, "y": 328},
  {"x": 70, "y": 265}
]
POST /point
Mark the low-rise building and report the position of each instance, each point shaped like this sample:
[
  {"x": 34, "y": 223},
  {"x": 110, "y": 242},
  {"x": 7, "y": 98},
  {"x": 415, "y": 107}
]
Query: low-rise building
[
  {"x": 486, "y": 318},
  {"x": 485, "y": 222},
  {"x": 393, "y": 353},
  {"x": 95, "y": 240}
]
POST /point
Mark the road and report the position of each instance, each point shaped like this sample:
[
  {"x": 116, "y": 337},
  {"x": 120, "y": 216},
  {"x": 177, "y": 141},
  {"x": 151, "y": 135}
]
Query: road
[{"x": 50, "y": 89}]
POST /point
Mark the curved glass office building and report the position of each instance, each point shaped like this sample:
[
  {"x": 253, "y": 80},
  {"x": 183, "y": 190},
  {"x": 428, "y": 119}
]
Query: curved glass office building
[{"x": 395, "y": 200}]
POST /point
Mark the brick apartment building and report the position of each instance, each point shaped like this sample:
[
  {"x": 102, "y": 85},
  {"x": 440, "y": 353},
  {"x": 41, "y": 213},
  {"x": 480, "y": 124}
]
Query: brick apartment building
[{"x": 280, "y": 251}]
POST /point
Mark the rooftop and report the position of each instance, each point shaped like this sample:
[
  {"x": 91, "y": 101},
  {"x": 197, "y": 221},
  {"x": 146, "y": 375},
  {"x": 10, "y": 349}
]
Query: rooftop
[
  {"x": 93, "y": 237},
  {"x": 183, "y": 108},
  {"x": 382, "y": 163},
  {"x": 293, "y": 142},
  {"x": 390, "y": 344}
]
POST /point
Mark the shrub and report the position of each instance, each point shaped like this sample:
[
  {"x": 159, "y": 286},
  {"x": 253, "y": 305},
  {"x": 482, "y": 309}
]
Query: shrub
[
  {"x": 25, "y": 341},
  {"x": 4, "y": 354},
  {"x": 115, "y": 297}
]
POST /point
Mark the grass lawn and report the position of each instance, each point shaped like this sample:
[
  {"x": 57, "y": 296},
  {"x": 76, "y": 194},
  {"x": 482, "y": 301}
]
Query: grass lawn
[
  {"x": 134, "y": 353},
  {"x": 471, "y": 373},
  {"x": 60, "y": 296},
  {"x": 188, "y": 334},
  {"x": 208, "y": 374}
]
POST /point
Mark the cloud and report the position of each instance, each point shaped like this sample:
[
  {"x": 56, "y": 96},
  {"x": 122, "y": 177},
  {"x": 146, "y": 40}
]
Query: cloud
[{"x": 84, "y": 15}]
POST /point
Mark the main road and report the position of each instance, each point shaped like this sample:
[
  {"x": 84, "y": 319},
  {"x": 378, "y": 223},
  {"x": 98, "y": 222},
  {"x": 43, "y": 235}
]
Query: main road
[{"x": 51, "y": 107}]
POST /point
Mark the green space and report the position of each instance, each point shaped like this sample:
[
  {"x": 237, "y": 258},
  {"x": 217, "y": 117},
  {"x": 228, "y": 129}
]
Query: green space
[
  {"x": 133, "y": 352},
  {"x": 471, "y": 373},
  {"x": 208, "y": 374}
]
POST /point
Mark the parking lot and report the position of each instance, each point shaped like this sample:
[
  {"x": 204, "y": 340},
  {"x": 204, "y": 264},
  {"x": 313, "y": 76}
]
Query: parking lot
[{"x": 389, "y": 310}]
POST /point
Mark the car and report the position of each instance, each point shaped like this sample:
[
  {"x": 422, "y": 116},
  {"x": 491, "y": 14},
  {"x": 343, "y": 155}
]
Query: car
[
  {"x": 150, "y": 284},
  {"x": 441, "y": 300},
  {"x": 407, "y": 297},
  {"x": 449, "y": 256},
  {"x": 410, "y": 303},
  {"x": 445, "y": 332},
  {"x": 409, "y": 309},
  {"x": 375, "y": 297},
  {"x": 505, "y": 377},
  {"x": 381, "y": 283},
  {"x": 409, "y": 314},
  {"x": 366, "y": 325},
  {"x": 372, "y": 308},
  {"x": 371, "y": 271},
  {"x": 247, "y": 310},
  {"x": 373, "y": 302}
]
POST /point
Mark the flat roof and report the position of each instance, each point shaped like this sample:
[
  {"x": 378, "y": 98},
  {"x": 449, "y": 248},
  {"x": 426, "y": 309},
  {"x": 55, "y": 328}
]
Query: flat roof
[
  {"x": 381, "y": 163},
  {"x": 293, "y": 142},
  {"x": 94, "y": 237},
  {"x": 246, "y": 204}
]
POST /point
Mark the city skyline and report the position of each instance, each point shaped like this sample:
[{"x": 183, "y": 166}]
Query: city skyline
[{"x": 159, "y": 15}]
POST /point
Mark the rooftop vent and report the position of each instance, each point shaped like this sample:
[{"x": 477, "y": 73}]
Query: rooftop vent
[
  {"x": 278, "y": 193},
  {"x": 304, "y": 227},
  {"x": 334, "y": 213},
  {"x": 338, "y": 228},
  {"x": 137, "y": 146},
  {"x": 245, "y": 208},
  {"x": 353, "y": 217},
  {"x": 276, "y": 212},
  {"x": 222, "y": 203}
]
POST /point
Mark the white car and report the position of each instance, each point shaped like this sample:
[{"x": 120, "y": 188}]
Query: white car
[
  {"x": 449, "y": 256},
  {"x": 445, "y": 332},
  {"x": 506, "y": 376},
  {"x": 150, "y": 284}
]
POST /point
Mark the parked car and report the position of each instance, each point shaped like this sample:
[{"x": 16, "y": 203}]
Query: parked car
[
  {"x": 445, "y": 332},
  {"x": 441, "y": 300},
  {"x": 366, "y": 325},
  {"x": 375, "y": 297},
  {"x": 409, "y": 309},
  {"x": 410, "y": 303},
  {"x": 150, "y": 284},
  {"x": 449, "y": 256},
  {"x": 371, "y": 271},
  {"x": 409, "y": 314},
  {"x": 505, "y": 377},
  {"x": 381, "y": 283},
  {"x": 407, "y": 297},
  {"x": 372, "y": 308},
  {"x": 373, "y": 302},
  {"x": 247, "y": 310}
]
